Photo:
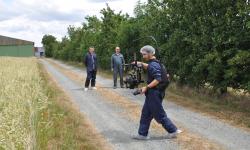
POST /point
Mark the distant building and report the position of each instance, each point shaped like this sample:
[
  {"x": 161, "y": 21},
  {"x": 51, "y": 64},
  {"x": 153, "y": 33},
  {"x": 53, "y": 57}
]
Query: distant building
[
  {"x": 16, "y": 47},
  {"x": 39, "y": 52}
]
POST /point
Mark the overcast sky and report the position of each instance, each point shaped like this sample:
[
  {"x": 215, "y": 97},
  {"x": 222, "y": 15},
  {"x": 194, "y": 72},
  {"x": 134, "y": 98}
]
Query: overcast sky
[{"x": 31, "y": 19}]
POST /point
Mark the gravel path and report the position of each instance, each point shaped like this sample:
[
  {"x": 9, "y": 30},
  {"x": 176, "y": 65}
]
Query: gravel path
[
  {"x": 107, "y": 118},
  {"x": 117, "y": 129}
]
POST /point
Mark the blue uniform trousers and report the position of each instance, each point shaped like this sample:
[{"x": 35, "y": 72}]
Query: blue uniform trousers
[
  {"x": 118, "y": 70},
  {"x": 91, "y": 76},
  {"x": 153, "y": 108}
]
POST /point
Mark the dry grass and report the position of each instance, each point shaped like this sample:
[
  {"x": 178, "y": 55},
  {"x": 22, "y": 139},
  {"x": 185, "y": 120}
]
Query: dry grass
[
  {"x": 229, "y": 108},
  {"x": 187, "y": 140},
  {"x": 22, "y": 98},
  {"x": 36, "y": 114}
]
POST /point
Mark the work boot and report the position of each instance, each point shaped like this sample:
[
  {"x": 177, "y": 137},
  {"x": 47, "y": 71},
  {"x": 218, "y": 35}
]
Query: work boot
[
  {"x": 141, "y": 137},
  {"x": 173, "y": 135}
]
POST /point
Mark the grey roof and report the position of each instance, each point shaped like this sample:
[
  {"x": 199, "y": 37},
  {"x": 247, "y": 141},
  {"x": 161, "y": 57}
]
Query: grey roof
[{"x": 4, "y": 40}]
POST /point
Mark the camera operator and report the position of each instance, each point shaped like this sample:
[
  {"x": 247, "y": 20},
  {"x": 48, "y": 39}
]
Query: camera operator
[{"x": 152, "y": 107}]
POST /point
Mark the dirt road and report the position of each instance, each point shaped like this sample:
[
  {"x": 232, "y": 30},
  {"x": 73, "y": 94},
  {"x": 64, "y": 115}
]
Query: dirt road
[{"x": 111, "y": 120}]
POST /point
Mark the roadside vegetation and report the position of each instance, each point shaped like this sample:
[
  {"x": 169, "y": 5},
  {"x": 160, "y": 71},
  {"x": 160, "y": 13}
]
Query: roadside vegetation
[
  {"x": 232, "y": 108},
  {"x": 37, "y": 114},
  {"x": 204, "y": 45}
]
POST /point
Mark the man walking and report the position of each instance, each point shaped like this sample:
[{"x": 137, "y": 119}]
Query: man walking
[
  {"x": 90, "y": 62},
  {"x": 152, "y": 108},
  {"x": 117, "y": 62}
]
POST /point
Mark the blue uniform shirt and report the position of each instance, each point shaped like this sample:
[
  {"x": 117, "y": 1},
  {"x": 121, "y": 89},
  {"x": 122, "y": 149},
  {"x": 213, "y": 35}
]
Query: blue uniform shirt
[
  {"x": 154, "y": 71},
  {"x": 91, "y": 62},
  {"x": 117, "y": 60}
]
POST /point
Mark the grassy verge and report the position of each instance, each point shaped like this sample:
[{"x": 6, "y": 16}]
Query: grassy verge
[
  {"x": 63, "y": 127},
  {"x": 234, "y": 109}
]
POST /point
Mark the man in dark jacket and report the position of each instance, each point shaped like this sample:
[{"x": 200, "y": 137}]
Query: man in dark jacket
[
  {"x": 117, "y": 62},
  {"x": 90, "y": 62}
]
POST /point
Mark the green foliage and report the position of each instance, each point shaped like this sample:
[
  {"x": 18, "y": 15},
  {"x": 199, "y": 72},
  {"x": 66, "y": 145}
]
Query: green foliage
[
  {"x": 201, "y": 42},
  {"x": 49, "y": 43}
]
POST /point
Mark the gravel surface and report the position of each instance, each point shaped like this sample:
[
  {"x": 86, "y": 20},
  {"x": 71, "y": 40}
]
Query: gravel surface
[
  {"x": 117, "y": 129},
  {"x": 107, "y": 118}
]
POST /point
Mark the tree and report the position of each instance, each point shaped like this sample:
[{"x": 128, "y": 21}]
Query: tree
[
  {"x": 48, "y": 43},
  {"x": 201, "y": 42}
]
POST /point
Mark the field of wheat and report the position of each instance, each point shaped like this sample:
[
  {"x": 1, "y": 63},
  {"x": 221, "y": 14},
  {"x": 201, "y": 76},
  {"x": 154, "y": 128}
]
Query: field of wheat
[{"x": 21, "y": 98}]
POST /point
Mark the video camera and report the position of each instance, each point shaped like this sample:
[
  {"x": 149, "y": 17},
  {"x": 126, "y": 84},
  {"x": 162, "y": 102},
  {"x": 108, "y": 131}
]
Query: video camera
[{"x": 134, "y": 77}]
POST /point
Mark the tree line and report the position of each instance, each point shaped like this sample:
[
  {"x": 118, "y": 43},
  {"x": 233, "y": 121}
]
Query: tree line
[{"x": 203, "y": 43}]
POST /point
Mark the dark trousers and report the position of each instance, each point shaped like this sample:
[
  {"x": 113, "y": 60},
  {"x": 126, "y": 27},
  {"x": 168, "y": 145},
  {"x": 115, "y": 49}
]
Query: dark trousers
[
  {"x": 118, "y": 70},
  {"x": 91, "y": 76},
  {"x": 153, "y": 108}
]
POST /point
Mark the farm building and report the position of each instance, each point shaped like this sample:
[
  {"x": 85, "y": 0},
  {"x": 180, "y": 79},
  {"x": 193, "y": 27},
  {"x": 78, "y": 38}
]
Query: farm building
[
  {"x": 39, "y": 51},
  {"x": 15, "y": 47}
]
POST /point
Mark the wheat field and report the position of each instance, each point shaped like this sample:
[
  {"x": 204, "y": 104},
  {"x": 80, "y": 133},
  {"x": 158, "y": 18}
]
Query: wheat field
[{"x": 21, "y": 98}]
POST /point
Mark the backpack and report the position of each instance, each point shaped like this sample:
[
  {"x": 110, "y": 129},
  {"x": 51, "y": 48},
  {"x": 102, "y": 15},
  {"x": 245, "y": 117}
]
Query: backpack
[{"x": 163, "y": 85}]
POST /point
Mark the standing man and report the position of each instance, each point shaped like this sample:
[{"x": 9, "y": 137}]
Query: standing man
[
  {"x": 152, "y": 108},
  {"x": 117, "y": 62},
  {"x": 90, "y": 62}
]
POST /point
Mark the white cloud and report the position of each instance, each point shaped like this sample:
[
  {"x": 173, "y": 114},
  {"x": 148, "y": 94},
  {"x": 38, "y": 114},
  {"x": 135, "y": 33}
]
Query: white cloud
[{"x": 31, "y": 19}]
